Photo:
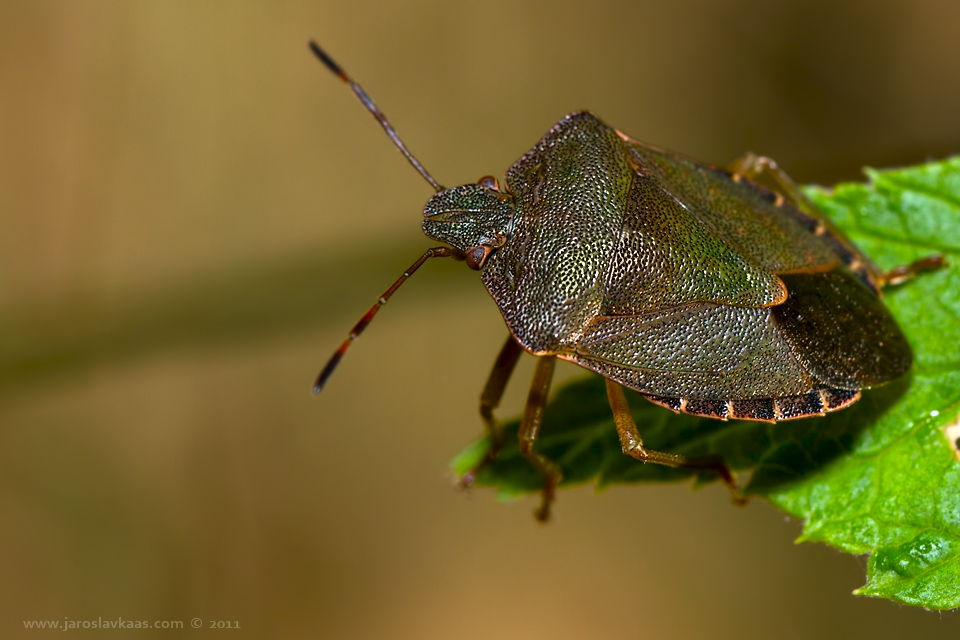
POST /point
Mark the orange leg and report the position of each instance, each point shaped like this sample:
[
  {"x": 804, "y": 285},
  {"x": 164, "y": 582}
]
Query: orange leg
[
  {"x": 530, "y": 429},
  {"x": 490, "y": 400},
  {"x": 761, "y": 168},
  {"x": 633, "y": 445},
  {"x": 907, "y": 272}
]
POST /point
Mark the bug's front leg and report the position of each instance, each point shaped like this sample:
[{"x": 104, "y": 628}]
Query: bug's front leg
[
  {"x": 530, "y": 428},
  {"x": 490, "y": 400},
  {"x": 633, "y": 445}
]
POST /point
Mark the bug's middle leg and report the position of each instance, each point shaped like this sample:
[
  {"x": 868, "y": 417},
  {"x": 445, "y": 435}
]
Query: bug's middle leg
[
  {"x": 490, "y": 400},
  {"x": 530, "y": 429},
  {"x": 633, "y": 445},
  {"x": 756, "y": 167},
  {"x": 766, "y": 172},
  {"x": 903, "y": 273}
]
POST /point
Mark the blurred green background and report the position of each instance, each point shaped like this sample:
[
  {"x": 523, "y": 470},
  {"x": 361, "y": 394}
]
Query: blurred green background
[{"x": 193, "y": 213}]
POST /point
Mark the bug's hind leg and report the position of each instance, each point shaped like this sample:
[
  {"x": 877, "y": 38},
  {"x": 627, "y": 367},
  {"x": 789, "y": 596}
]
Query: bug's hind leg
[
  {"x": 530, "y": 429},
  {"x": 767, "y": 172},
  {"x": 490, "y": 400},
  {"x": 633, "y": 445}
]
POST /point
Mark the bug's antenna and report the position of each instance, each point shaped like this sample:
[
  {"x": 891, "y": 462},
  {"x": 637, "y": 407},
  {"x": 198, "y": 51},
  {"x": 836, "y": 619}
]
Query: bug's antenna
[
  {"x": 435, "y": 252},
  {"x": 372, "y": 108}
]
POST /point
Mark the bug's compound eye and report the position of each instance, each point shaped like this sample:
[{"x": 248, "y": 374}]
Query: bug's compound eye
[
  {"x": 489, "y": 182},
  {"x": 477, "y": 256}
]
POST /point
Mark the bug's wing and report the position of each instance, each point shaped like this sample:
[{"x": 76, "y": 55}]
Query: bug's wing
[
  {"x": 666, "y": 257},
  {"x": 831, "y": 331},
  {"x": 771, "y": 232},
  {"x": 841, "y": 331},
  {"x": 699, "y": 350}
]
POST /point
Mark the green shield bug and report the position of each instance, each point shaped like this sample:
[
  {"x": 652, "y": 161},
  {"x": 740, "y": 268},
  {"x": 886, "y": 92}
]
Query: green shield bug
[{"x": 694, "y": 285}]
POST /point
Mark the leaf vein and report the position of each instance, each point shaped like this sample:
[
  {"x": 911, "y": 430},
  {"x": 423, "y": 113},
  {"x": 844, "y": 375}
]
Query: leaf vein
[{"x": 906, "y": 184}]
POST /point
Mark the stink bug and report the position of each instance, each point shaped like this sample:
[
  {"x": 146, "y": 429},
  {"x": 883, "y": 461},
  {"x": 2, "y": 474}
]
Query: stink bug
[{"x": 694, "y": 285}]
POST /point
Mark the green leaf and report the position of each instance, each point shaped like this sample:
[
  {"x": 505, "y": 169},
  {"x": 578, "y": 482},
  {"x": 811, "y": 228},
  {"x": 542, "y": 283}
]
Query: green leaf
[{"x": 879, "y": 477}]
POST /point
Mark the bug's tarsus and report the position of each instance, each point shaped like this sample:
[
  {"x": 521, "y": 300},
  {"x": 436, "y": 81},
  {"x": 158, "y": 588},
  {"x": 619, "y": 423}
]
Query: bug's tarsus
[
  {"x": 435, "y": 252},
  {"x": 901, "y": 274},
  {"x": 632, "y": 445},
  {"x": 373, "y": 109}
]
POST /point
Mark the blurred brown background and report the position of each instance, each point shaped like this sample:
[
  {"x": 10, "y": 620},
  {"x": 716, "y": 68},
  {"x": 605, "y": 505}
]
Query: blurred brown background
[{"x": 193, "y": 213}]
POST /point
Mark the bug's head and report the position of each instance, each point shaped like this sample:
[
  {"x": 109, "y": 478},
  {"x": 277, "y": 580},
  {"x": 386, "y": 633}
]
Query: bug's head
[{"x": 474, "y": 218}]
